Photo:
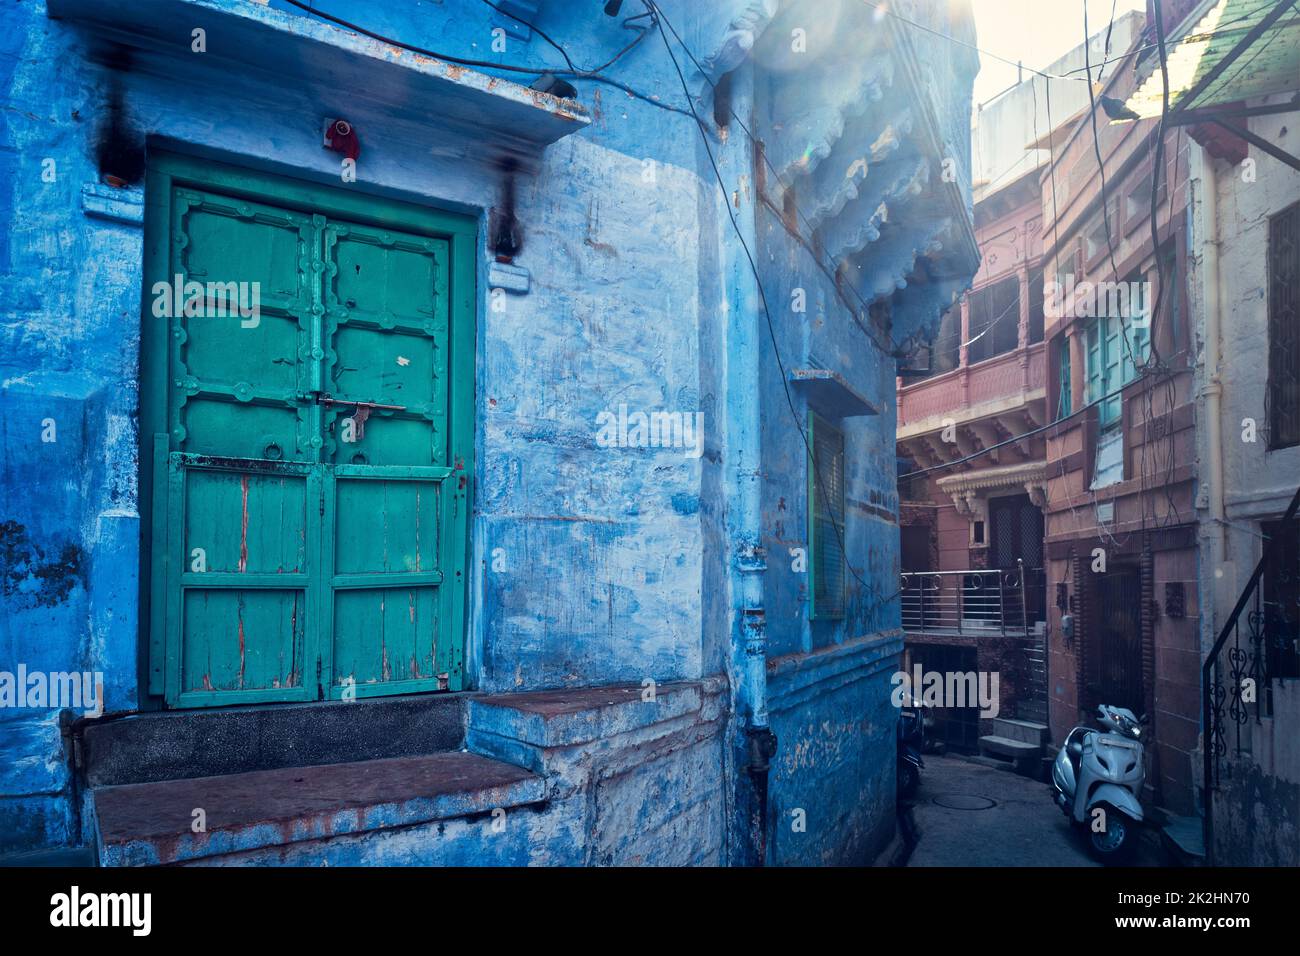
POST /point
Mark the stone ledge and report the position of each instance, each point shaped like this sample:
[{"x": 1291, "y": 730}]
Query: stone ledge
[
  {"x": 561, "y": 718},
  {"x": 149, "y": 823},
  {"x": 101, "y": 201},
  {"x": 251, "y": 38},
  {"x": 792, "y": 677}
]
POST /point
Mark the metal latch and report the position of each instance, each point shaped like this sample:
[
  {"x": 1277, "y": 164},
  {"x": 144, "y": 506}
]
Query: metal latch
[{"x": 361, "y": 411}]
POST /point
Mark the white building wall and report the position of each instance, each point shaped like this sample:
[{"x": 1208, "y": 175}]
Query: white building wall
[{"x": 1258, "y": 483}]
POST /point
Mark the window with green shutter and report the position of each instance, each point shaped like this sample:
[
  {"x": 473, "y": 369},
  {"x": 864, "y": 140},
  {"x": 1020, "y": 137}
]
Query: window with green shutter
[
  {"x": 826, "y": 517},
  {"x": 1117, "y": 347}
]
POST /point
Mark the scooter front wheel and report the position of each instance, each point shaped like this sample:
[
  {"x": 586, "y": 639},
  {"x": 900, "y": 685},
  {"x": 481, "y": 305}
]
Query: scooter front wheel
[{"x": 1113, "y": 843}]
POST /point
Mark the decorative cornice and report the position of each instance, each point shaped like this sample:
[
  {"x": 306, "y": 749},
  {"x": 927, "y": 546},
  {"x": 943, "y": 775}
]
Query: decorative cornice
[{"x": 970, "y": 490}]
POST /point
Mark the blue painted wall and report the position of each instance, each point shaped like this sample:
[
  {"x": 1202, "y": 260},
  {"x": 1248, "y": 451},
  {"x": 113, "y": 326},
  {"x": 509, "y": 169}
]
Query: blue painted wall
[{"x": 615, "y": 565}]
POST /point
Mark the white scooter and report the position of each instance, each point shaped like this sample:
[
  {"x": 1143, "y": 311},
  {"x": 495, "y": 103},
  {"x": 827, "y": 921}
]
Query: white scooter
[{"x": 1097, "y": 779}]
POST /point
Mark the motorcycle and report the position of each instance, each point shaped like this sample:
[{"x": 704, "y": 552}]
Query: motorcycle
[
  {"x": 1097, "y": 780},
  {"x": 911, "y": 739}
]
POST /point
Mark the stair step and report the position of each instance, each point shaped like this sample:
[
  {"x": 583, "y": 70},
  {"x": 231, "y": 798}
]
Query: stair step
[
  {"x": 150, "y": 823},
  {"x": 1009, "y": 747},
  {"x": 171, "y": 745},
  {"x": 1184, "y": 837},
  {"x": 1027, "y": 731}
]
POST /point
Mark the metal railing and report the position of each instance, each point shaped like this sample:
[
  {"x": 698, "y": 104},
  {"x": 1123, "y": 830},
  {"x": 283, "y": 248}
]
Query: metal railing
[
  {"x": 971, "y": 602},
  {"x": 1223, "y": 696}
]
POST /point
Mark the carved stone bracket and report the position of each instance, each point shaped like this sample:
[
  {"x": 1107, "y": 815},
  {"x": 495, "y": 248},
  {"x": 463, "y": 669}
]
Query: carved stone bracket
[
  {"x": 1037, "y": 493},
  {"x": 971, "y": 505}
]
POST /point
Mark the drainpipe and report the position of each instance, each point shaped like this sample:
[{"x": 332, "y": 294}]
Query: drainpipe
[
  {"x": 1212, "y": 392},
  {"x": 744, "y": 469}
]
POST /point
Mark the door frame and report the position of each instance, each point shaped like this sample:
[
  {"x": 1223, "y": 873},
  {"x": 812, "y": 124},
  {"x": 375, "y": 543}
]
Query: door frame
[
  {"x": 1094, "y": 691},
  {"x": 167, "y": 169}
]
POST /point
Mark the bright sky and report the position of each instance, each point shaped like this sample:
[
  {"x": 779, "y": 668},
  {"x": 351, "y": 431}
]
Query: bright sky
[{"x": 1035, "y": 31}]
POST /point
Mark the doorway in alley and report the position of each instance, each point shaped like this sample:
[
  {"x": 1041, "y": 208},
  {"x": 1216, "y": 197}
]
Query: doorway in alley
[
  {"x": 956, "y": 727},
  {"x": 1115, "y": 636},
  {"x": 307, "y": 396},
  {"x": 1016, "y": 535}
]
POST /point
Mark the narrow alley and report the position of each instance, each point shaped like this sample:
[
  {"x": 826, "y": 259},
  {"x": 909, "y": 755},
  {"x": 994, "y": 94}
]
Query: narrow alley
[{"x": 971, "y": 813}]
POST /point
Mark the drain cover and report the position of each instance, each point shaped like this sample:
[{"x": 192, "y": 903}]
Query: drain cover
[{"x": 964, "y": 801}]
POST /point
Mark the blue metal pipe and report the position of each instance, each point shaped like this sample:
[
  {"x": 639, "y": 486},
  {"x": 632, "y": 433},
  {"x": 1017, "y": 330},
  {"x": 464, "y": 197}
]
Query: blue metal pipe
[{"x": 744, "y": 339}]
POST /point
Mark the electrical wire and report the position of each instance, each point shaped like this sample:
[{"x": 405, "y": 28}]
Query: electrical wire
[
  {"x": 642, "y": 32},
  {"x": 1014, "y": 438},
  {"x": 947, "y": 36},
  {"x": 659, "y": 21},
  {"x": 1101, "y": 170},
  {"x": 597, "y": 77},
  {"x": 536, "y": 29},
  {"x": 1056, "y": 244},
  {"x": 656, "y": 17},
  {"x": 808, "y": 246},
  {"x": 830, "y": 273},
  {"x": 1109, "y": 29},
  {"x": 887, "y": 347},
  {"x": 1064, "y": 75}
]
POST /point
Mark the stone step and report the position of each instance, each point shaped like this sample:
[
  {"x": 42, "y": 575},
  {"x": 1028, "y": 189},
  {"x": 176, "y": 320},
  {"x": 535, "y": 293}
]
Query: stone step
[
  {"x": 427, "y": 810},
  {"x": 1026, "y": 731},
  {"x": 1184, "y": 838},
  {"x": 1018, "y": 755},
  {"x": 1009, "y": 747},
  {"x": 173, "y": 745}
]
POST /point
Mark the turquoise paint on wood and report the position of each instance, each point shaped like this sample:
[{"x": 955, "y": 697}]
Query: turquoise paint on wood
[{"x": 311, "y": 539}]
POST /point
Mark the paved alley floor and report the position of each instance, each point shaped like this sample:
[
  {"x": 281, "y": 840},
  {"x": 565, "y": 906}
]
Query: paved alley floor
[{"x": 1022, "y": 827}]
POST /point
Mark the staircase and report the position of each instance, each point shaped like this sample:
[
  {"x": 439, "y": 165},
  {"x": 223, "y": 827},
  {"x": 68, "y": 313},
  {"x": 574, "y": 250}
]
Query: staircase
[
  {"x": 1021, "y": 742},
  {"x": 1256, "y": 636},
  {"x": 1033, "y": 705}
]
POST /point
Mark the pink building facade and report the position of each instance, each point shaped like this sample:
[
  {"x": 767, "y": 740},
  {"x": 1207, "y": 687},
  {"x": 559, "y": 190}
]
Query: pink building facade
[{"x": 972, "y": 530}]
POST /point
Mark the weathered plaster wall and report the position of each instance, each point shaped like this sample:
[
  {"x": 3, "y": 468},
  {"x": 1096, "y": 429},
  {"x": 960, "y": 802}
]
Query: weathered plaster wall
[
  {"x": 1258, "y": 810},
  {"x": 602, "y": 547},
  {"x": 832, "y": 782},
  {"x": 1258, "y": 482},
  {"x": 68, "y": 535},
  {"x": 615, "y": 563}
]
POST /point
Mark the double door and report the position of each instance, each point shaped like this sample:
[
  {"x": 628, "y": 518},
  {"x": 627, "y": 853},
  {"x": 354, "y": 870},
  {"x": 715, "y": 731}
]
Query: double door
[{"x": 311, "y": 440}]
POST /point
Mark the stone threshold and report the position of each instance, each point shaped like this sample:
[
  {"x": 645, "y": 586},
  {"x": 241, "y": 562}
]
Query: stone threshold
[{"x": 154, "y": 823}]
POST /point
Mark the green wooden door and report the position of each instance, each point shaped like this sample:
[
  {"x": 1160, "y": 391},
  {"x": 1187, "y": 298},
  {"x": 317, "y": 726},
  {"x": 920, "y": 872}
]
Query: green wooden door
[{"x": 310, "y": 474}]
